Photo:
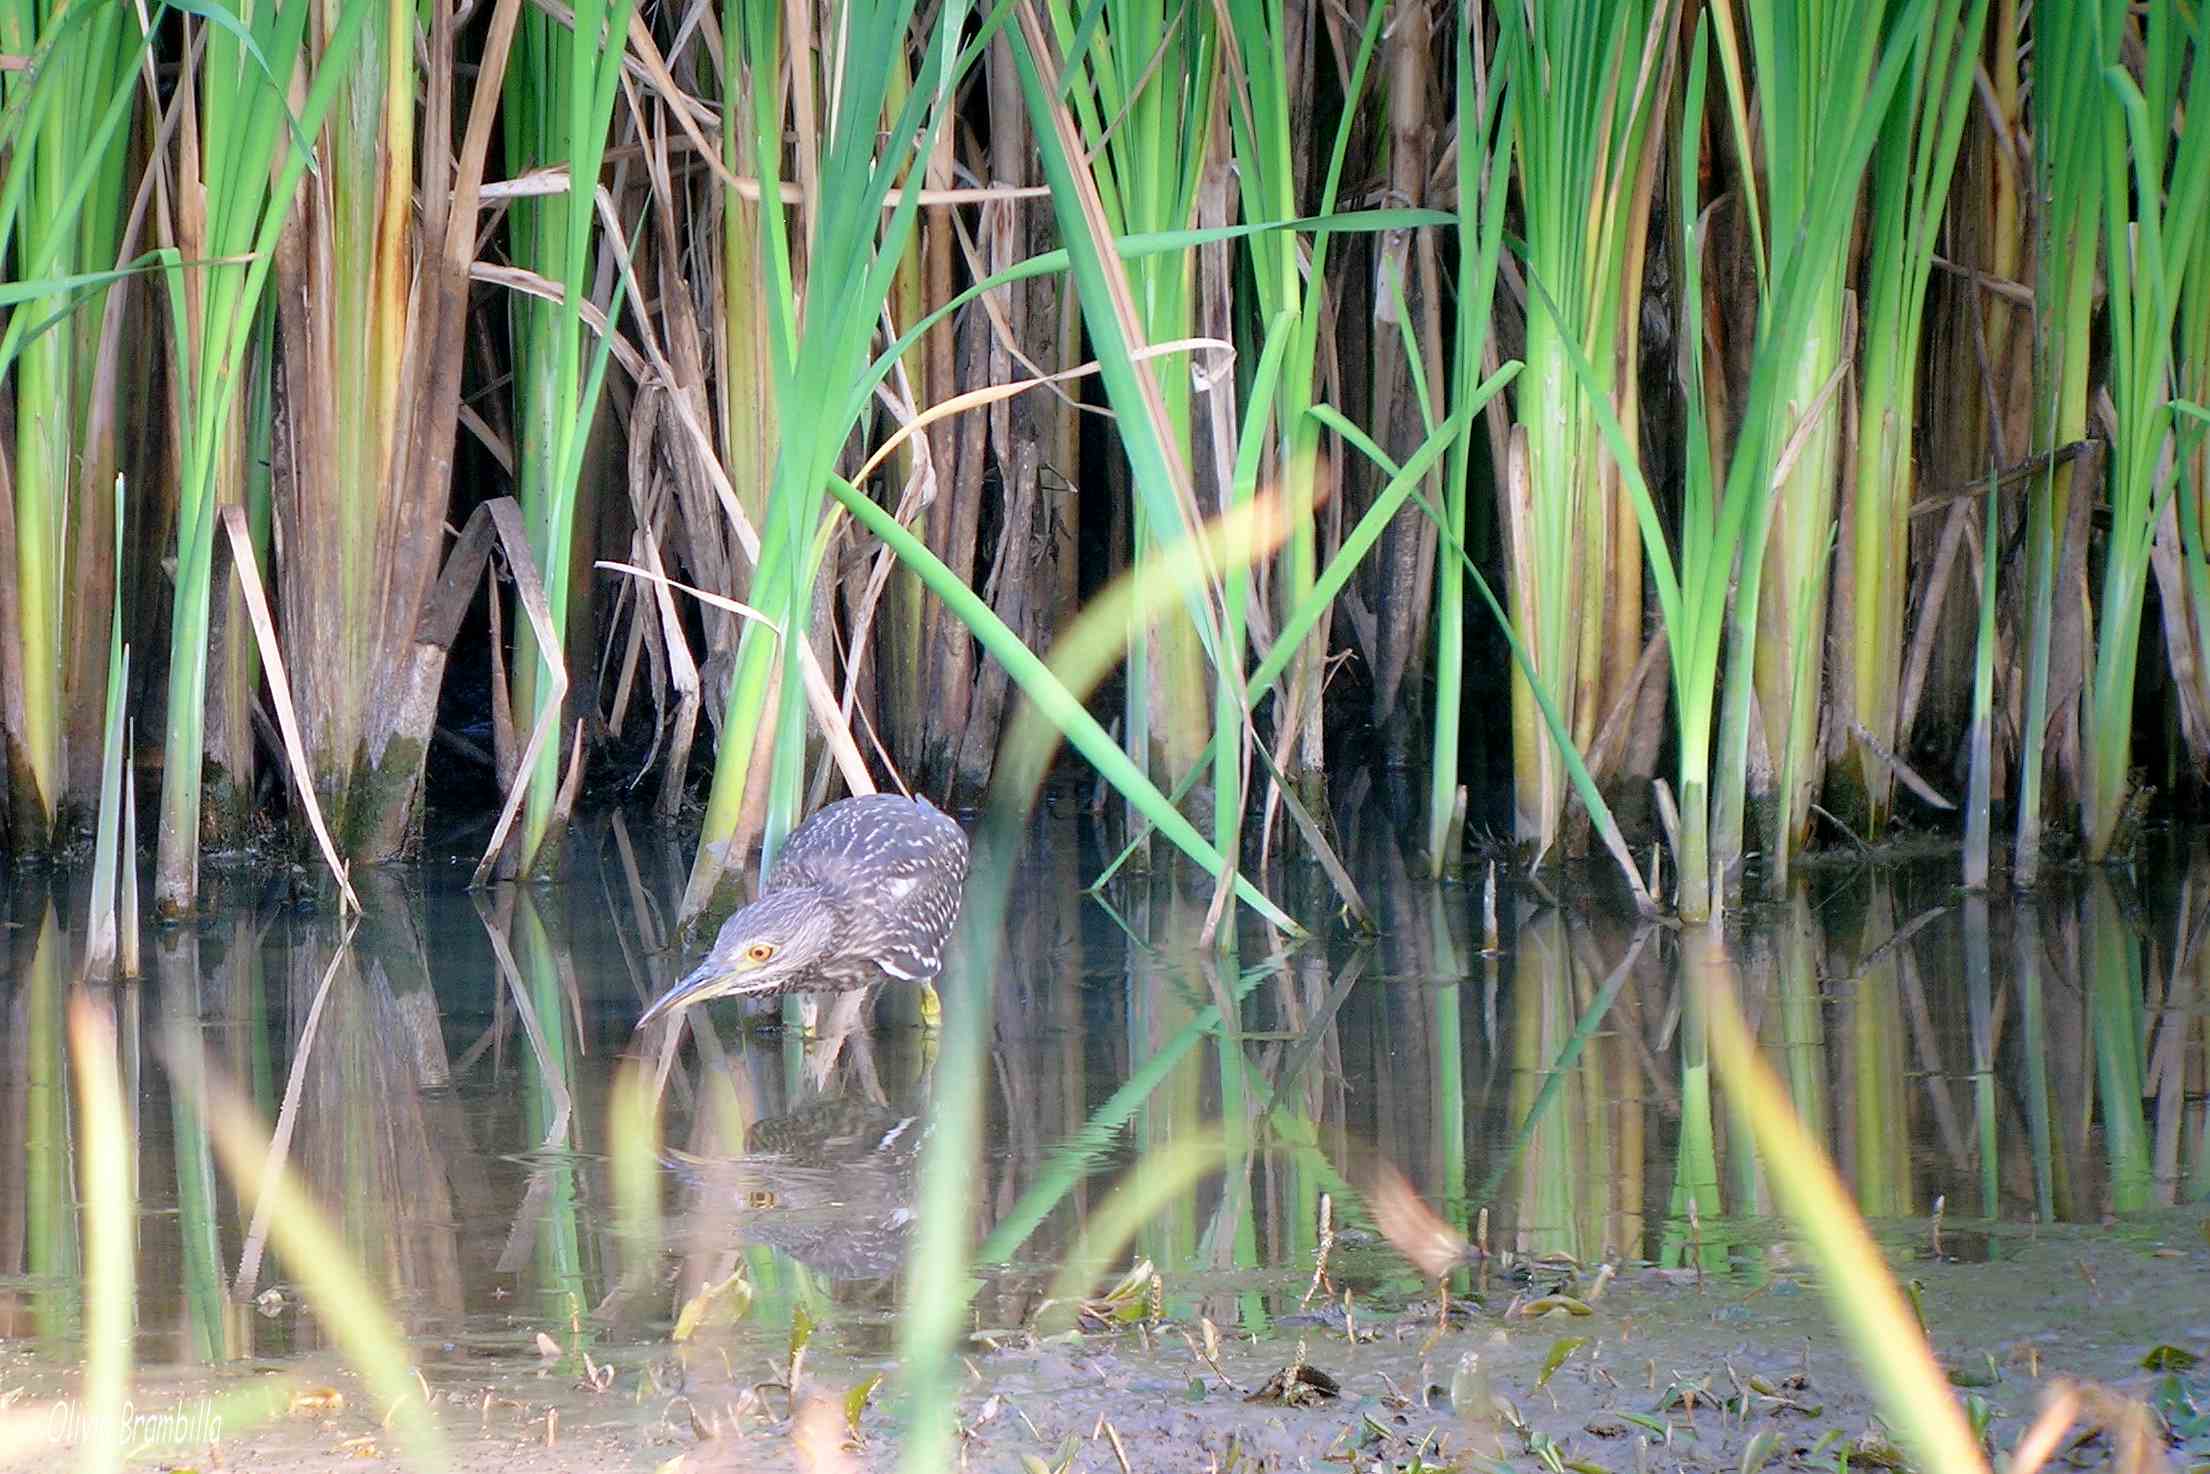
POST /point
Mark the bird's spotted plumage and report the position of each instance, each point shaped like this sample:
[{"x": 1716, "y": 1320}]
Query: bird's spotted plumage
[
  {"x": 894, "y": 869},
  {"x": 867, "y": 888}
]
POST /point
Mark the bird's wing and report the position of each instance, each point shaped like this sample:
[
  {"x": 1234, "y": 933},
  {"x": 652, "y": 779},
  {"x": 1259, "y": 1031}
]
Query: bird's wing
[
  {"x": 896, "y": 868},
  {"x": 914, "y": 949},
  {"x": 894, "y": 842}
]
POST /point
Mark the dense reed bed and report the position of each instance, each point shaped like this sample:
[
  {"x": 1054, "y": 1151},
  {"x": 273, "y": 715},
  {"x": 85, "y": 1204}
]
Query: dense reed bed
[{"x": 1738, "y": 348}]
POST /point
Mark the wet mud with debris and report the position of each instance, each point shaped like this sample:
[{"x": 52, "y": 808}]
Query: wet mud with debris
[{"x": 1667, "y": 1370}]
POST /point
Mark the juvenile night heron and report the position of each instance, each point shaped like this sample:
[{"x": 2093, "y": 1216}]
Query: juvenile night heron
[{"x": 867, "y": 888}]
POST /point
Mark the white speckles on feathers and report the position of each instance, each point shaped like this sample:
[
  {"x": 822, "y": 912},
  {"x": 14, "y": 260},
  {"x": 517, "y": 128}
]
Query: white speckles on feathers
[{"x": 893, "y": 868}]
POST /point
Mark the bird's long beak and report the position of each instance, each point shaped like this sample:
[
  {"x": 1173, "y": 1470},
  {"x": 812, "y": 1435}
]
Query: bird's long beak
[{"x": 705, "y": 981}]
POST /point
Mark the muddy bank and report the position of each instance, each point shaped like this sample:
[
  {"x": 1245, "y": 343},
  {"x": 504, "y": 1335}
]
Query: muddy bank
[{"x": 1668, "y": 1371}]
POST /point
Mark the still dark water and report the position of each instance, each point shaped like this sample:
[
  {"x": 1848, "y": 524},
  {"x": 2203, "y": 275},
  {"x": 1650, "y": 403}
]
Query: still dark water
[{"x": 445, "y": 1073}]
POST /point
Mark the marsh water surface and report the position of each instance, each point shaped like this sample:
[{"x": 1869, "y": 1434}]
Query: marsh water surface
[{"x": 2014, "y": 1091}]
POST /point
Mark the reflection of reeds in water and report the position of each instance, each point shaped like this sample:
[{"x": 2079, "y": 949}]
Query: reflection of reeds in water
[
  {"x": 369, "y": 1141},
  {"x": 1549, "y": 1176},
  {"x": 2115, "y": 989},
  {"x": 1038, "y": 1070},
  {"x": 1874, "y": 1120},
  {"x": 1582, "y": 1084},
  {"x": 1573, "y": 1134},
  {"x": 2065, "y": 1058},
  {"x": 1801, "y": 1018},
  {"x": 2179, "y": 1055},
  {"x": 39, "y": 1234},
  {"x": 1161, "y": 1003},
  {"x": 230, "y": 1001},
  {"x": 1695, "y": 1201},
  {"x": 1979, "y": 978}
]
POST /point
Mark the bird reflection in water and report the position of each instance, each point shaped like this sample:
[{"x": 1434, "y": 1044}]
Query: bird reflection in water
[
  {"x": 832, "y": 1184},
  {"x": 831, "y": 1178}
]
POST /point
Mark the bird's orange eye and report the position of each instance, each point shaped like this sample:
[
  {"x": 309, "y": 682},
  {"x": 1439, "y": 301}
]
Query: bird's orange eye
[{"x": 759, "y": 952}]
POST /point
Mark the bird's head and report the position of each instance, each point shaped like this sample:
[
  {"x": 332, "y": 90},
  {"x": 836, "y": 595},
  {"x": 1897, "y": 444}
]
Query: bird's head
[{"x": 770, "y": 946}]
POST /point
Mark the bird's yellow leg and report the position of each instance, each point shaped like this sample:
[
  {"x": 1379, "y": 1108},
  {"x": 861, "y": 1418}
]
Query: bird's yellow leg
[{"x": 932, "y": 1007}]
